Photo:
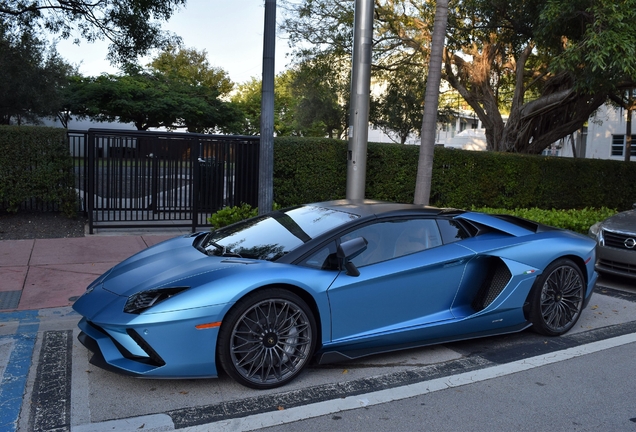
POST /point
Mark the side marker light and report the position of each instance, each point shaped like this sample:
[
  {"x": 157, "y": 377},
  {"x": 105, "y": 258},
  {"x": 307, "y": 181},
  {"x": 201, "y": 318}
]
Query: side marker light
[{"x": 208, "y": 325}]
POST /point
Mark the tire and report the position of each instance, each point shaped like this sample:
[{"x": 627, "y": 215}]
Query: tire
[
  {"x": 557, "y": 298},
  {"x": 267, "y": 338}
]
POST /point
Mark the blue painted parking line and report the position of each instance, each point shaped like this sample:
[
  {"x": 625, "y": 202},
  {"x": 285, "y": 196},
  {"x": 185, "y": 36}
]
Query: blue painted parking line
[{"x": 14, "y": 378}]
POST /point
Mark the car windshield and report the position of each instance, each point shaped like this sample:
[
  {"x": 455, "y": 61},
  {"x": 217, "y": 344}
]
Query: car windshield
[{"x": 271, "y": 236}]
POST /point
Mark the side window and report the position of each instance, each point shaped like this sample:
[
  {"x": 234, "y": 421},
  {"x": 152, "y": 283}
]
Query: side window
[
  {"x": 324, "y": 259},
  {"x": 417, "y": 235},
  {"x": 392, "y": 239},
  {"x": 451, "y": 231},
  {"x": 377, "y": 236}
]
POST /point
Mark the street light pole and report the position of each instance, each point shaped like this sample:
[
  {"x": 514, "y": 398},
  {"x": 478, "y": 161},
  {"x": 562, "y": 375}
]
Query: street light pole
[
  {"x": 266, "y": 150},
  {"x": 360, "y": 91}
]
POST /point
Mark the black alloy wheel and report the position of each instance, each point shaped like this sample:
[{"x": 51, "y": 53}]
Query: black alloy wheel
[
  {"x": 267, "y": 338},
  {"x": 557, "y": 298}
]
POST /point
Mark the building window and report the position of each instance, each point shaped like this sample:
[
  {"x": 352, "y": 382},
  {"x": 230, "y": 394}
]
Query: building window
[
  {"x": 551, "y": 151},
  {"x": 618, "y": 145}
]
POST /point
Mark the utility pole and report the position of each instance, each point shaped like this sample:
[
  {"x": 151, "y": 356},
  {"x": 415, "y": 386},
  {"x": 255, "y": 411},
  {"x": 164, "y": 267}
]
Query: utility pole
[
  {"x": 266, "y": 150},
  {"x": 360, "y": 91}
]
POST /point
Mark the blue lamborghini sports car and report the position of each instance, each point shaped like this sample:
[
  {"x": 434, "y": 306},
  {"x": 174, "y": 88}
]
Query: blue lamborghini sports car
[{"x": 331, "y": 281}]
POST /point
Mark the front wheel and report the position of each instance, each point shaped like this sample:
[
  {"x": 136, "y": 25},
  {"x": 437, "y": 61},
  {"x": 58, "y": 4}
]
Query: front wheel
[
  {"x": 556, "y": 299},
  {"x": 267, "y": 338}
]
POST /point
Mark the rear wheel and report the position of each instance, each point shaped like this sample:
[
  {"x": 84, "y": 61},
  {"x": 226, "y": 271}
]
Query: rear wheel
[
  {"x": 557, "y": 298},
  {"x": 267, "y": 338}
]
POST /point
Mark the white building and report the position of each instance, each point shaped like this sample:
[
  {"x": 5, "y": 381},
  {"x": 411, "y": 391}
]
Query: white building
[
  {"x": 464, "y": 132},
  {"x": 602, "y": 138},
  {"x": 606, "y": 135}
]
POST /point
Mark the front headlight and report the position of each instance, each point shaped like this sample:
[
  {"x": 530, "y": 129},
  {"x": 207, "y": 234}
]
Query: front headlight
[
  {"x": 596, "y": 232},
  {"x": 137, "y": 303}
]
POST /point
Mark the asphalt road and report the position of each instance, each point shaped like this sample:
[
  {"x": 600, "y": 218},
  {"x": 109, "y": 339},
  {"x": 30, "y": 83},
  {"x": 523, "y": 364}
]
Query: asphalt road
[
  {"x": 580, "y": 381},
  {"x": 593, "y": 392}
]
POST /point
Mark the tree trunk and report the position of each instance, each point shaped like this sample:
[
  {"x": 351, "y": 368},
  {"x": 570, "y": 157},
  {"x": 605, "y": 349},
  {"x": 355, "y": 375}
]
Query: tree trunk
[
  {"x": 431, "y": 100},
  {"x": 628, "y": 134},
  {"x": 531, "y": 126}
]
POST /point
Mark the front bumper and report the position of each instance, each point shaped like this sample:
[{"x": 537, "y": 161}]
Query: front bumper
[
  {"x": 185, "y": 356},
  {"x": 152, "y": 345},
  {"x": 618, "y": 262}
]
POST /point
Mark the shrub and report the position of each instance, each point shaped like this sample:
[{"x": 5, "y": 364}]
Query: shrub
[
  {"x": 311, "y": 170},
  {"x": 229, "y": 215},
  {"x": 35, "y": 163},
  {"x": 574, "y": 220}
]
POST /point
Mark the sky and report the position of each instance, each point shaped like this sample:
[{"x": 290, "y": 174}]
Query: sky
[{"x": 230, "y": 31}]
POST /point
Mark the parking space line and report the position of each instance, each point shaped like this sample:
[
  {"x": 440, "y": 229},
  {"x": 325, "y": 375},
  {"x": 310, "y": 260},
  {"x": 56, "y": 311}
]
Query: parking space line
[
  {"x": 15, "y": 373},
  {"x": 148, "y": 423}
]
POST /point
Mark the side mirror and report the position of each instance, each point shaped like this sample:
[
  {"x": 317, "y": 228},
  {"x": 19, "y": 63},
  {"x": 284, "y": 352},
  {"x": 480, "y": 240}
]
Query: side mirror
[
  {"x": 349, "y": 250},
  {"x": 634, "y": 206}
]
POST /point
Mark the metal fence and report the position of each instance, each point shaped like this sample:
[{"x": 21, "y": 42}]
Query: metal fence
[{"x": 133, "y": 179}]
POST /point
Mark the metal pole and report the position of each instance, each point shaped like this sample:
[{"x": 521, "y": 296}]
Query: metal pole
[
  {"x": 360, "y": 90},
  {"x": 266, "y": 156}
]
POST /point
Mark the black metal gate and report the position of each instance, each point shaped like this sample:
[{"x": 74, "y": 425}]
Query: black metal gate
[{"x": 139, "y": 179}]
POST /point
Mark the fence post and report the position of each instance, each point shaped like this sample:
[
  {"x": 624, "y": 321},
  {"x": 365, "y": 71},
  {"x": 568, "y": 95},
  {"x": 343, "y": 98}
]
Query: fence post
[{"x": 90, "y": 146}]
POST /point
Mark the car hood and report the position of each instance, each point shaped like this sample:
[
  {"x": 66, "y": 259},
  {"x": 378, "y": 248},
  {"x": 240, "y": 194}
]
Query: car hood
[
  {"x": 173, "y": 263},
  {"x": 623, "y": 222}
]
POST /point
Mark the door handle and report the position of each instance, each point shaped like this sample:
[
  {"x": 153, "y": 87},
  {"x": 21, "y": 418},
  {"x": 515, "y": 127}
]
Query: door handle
[{"x": 454, "y": 263}]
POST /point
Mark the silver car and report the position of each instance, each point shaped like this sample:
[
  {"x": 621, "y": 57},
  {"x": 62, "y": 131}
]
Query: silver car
[{"x": 616, "y": 240}]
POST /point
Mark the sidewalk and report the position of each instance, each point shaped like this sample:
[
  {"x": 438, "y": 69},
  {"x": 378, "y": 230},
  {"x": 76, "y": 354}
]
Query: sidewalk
[{"x": 48, "y": 273}]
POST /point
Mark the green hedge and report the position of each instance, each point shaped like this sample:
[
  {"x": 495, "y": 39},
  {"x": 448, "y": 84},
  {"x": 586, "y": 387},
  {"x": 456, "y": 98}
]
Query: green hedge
[
  {"x": 310, "y": 170},
  {"x": 486, "y": 179},
  {"x": 35, "y": 164},
  {"x": 575, "y": 220}
]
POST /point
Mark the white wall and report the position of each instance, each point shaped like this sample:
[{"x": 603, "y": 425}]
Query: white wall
[
  {"x": 606, "y": 122},
  {"x": 84, "y": 125}
]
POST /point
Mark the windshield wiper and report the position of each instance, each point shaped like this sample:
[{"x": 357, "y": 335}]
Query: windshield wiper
[{"x": 224, "y": 252}]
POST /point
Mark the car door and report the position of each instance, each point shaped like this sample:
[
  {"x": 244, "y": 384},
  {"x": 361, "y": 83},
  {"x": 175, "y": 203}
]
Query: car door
[{"x": 408, "y": 278}]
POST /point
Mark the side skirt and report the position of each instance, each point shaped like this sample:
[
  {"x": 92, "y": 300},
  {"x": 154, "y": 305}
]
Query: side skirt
[{"x": 336, "y": 356}]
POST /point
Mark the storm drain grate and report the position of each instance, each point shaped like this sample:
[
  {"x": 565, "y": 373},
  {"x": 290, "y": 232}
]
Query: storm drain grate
[{"x": 10, "y": 299}]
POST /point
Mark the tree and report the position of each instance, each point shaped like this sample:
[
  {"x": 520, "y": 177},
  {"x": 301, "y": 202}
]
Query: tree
[
  {"x": 398, "y": 110},
  {"x": 560, "y": 59},
  {"x": 429, "y": 121},
  {"x": 150, "y": 100},
  {"x": 248, "y": 99},
  {"x": 321, "y": 88},
  {"x": 191, "y": 67},
  {"x": 179, "y": 89},
  {"x": 31, "y": 79},
  {"x": 131, "y": 26},
  {"x": 548, "y": 64}
]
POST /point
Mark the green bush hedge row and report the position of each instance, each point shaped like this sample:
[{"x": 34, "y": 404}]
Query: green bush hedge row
[
  {"x": 35, "y": 164},
  {"x": 575, "y": 220},
  {"x": 310, "y": 170}
]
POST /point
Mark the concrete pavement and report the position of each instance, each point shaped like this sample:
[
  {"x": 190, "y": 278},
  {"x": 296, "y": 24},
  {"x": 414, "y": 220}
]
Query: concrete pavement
[{"x": 47, "y": 273}]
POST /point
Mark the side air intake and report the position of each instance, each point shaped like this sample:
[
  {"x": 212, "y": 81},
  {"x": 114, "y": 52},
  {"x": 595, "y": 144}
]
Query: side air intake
[{"x": 496, "y": 280}]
